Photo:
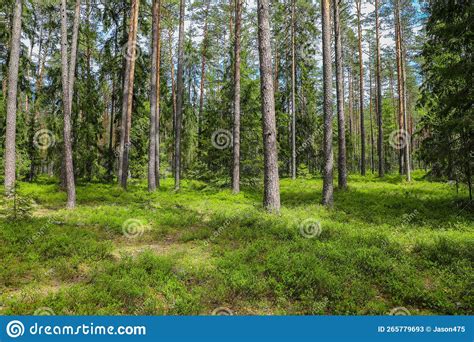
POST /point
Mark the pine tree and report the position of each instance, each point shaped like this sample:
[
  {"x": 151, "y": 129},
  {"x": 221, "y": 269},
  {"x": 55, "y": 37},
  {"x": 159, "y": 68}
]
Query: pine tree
[
  {"x": 10, "y": 133},
  {"x": 154, "y": 148},
  {"x": 236, "y": 130},
  {"x": 328, "y": 197},
  {"x": 342, "y": 159},
  {"x": 179, "y": 99},
  {"x": 381, "y": 157},
  {"x": 271, "y": 199},
  {"x": 127, "y": 97},
  {"x": 361, "y": 88}
]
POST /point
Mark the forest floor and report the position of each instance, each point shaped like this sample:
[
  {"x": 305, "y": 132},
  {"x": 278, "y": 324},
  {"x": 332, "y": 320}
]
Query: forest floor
[{"x": 386, "y": 244}]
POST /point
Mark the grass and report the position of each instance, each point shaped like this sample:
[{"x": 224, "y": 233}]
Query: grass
[{"x": 385, "y": 244}]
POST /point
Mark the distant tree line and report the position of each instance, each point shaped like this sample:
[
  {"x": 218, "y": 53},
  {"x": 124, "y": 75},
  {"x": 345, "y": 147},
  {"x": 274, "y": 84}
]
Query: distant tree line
[{"x": 230, "y": 91}]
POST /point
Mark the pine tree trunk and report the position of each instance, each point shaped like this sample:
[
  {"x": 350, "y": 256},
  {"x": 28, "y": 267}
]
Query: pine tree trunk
[
  {"x": 231, "y": 38},
  {"x": 401, "y": 91},
  {"x": 173, "y": 79},
  {"x": 72, "y": 64},
  {"x": 381, "y": 164},
  {"x": 41, "y": 64},
  {"x": 158, "y": 103},
  {"x": 328, "y": 197},
  {"x": 342, "y": 159},
  {"x": 110, "y": 166},
  {"x": 33, "y": 114},
  {"x": 399, "y": 85},
  {"x": 10, "y": 133},
  {"x": 351, "y": 117},
  {"x": 407, "y": 136},
  {"x": 71, "y": 79},
  {"x": 361, "y": 89},
  {"x": 179, "y": 99},
  {"x": 271, "y": 199},
  {"x": 154, "y": 95},
  {"x": 393, "y": 100},
  {"x": 66, "y": 85},
  {"x": 236, "y": 131},
  {"x": 125, "y": 90},
  {"x": 293, "y": 91},
  {"x": 372, "y": 142},
  {"x": 203, "y": 74},
  {"x": 276, "y": 68},
  {"x": 127, "y": 100}
]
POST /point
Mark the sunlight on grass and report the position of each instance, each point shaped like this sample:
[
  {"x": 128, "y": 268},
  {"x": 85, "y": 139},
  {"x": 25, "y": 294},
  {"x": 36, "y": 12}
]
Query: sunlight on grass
[{"x": 386, "y": 243}]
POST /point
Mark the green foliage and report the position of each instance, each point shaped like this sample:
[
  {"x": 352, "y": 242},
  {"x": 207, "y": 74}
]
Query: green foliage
[
  {"x": 16, "y": 206},
  {"x": 385, "y": 244},
  {"x": 447, "y": 90}
]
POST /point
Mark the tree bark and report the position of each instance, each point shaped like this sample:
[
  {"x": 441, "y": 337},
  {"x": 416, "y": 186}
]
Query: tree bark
[
  {"x": 342, "y": 158},
  {"x": 236, "y": 131},
  {"x": 127, "y": 99},
  {"x": 72, "y": 64},
  {"x": 381, "y": 161},
  {"x": 71, "y": 77},
  {"x": 110, "y": 166},
  {"x": 351, "y": 118},
  {"x": 231, "y": 37},
  {"x": 179, "y": 99},
  {"x": 361, "y": 89},
  {"x": 271, "y": 199},
  {"x": 276, "y": 68},
  {"x": 154, "y": 96},
  {"x": 10, "y": 133},
  {"x": 328, "y": 196},
  {"x": 158, "y": 102},
  {"x": 41, "y": 64},
  {"x": 407, "y": 136},
  {"x": 404, "y": 140},
  {"x": 32, "y": 121},
  {"x": 203, "y": 73},
  {"x": 66, "y": 85},
  {"x": 173, "y": 80},
  {"x": 293, "y": 92},
  {"x": 372, "y": 142}
]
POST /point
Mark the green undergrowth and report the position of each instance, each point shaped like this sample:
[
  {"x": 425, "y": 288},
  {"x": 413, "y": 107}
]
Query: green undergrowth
[{"x": 385, "y": 244}]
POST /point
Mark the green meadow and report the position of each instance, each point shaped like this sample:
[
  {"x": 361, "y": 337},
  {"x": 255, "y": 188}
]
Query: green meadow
[{"x": 386, "y": 244}]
